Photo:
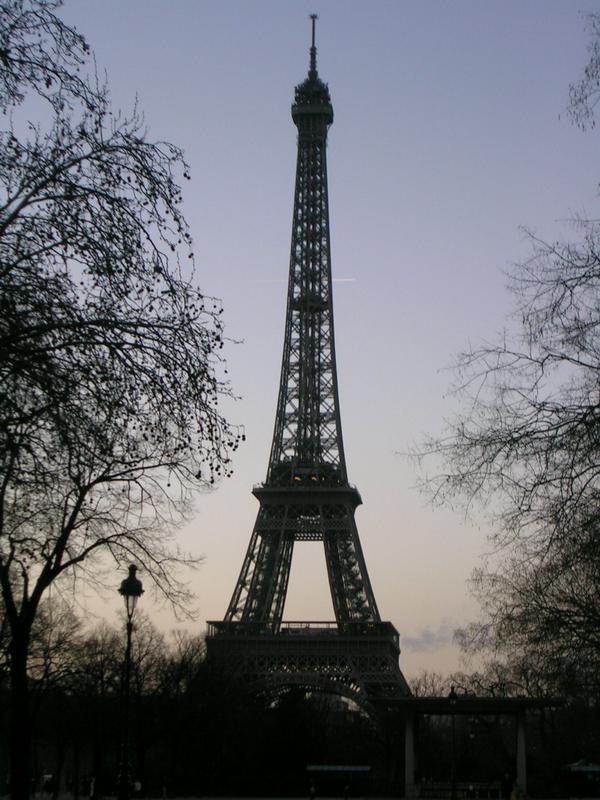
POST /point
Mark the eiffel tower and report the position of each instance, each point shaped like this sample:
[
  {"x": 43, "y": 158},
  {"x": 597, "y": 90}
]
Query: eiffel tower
[{"x": 306, "y": 495}]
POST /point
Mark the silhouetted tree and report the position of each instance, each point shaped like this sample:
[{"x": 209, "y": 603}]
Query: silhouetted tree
[
  {"x": 528, "y": 447},
  {"x": 541, "y": 618},
  {"x": 529, "y": 444},
  {"x": 96, "y": 694},
  {"x": 585, "y": 93},
  {"x": 108, "y": 351},
  {"x": 56, "y": 640},
  {"x": 430, "y": 684},
  {"x": 529, "y": 437},
  {"x": 53, "y": 664}
]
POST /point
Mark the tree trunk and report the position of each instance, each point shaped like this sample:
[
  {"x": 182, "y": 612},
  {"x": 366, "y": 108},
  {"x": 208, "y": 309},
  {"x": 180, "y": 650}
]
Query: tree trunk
[
  {"x": 58, "y": 769},
  {"x": 20, "y": 719},
  {"x": 76, "y": 778}
]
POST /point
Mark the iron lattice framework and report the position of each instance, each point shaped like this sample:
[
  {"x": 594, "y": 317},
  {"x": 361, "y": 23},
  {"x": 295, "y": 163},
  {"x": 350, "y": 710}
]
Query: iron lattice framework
[{"x": 306, "y": 495}]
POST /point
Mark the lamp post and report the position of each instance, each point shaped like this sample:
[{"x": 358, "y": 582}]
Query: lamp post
[
  {"x": 453, "y": 698},
  {"x": 131, "y": 589}
]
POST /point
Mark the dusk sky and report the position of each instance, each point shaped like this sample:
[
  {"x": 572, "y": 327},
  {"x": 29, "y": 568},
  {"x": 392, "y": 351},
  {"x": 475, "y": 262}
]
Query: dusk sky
[{"x": 450, "y": 133}]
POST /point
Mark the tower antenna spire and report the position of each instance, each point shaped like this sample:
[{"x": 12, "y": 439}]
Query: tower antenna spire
[{"x": 313, "y": 50}]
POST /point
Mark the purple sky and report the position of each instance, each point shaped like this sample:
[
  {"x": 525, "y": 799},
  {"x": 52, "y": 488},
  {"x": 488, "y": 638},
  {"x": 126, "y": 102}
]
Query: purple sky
[{"x": 450, "y": 132}]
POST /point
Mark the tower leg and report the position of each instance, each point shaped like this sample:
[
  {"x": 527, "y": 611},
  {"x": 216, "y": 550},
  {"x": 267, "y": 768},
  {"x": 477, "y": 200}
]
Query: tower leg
[
  {"x": 351, "y": 592},
  {"x": 260, "y": 592}
]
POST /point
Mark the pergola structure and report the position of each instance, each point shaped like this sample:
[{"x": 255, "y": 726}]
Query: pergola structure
[{"x": 467, "y": 705}]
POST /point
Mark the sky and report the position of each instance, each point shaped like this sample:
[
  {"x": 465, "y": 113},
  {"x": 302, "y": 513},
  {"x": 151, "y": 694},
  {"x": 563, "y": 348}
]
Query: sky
[{"x": 450, "y": 134}]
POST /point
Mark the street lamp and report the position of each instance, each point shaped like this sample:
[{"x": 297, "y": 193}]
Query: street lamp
[
  {"x": 131, "y": 589},
  {"x": 453, "y": 697}
]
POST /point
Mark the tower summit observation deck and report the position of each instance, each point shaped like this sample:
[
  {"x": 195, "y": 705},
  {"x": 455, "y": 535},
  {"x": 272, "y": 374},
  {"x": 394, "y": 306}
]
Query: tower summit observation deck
[{"x": 306, "y": 495}]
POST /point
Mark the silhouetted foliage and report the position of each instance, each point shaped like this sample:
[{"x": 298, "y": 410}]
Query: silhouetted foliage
[
  {"x": 109, "y": 353},
  {"x": 430, "y": 684},
  {"x": 585, "y": 93},
  {"x": 54, "y": 652},
  {"x": 39, "y": 53},
  {"x": 541, "y": 618},
  {"x": 197, "y": 731},
  {"x": 528, "y": 439},
  {"x": 527, "y": 447}
]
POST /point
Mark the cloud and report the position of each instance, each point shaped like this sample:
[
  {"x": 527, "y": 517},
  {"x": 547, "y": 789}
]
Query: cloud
[{"x": 429, "y": 641}]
